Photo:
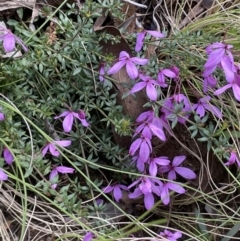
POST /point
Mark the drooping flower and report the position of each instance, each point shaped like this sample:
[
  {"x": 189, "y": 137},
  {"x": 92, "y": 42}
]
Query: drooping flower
[
  {"x": 52, "y": 147},
  {"x": 209, "y": 81},
  {"x": 146, "y": 186},
  {"x": 147, "y": 115},
  {"x": 204, "y": 104},
  {"x": 88, "y": 236},
  {"x": 7, "y": 155},
  {"x": 233, "y": 159},
  {"x": 9, "y": 40},
  {"x": 68, "y": 120},
  {"x": 165, "y": 195},
  {"x": 175, "y": 69},
  {"x": 2, "y": 116},
  {"x": 102, "y": 72},
  {"x": 59, "y": 169},
  {"x": 174, "y": 168},
  {"x": 125, "y": 59},
  {"x": 155, "y": 162},
  {"x": 145, "y": 148},
  {"x": 170, "y": 235},
  {"x": 234, "y": 84},
  {"x": 148, "y": 83},
  {"x": 220, "y": 55},
  {"x": 82, "y": 118},
  {"x": 141, "y": 37},
  {"x": 3, "y": 175},
  {"x": 116, "y": 189},
  {"x": 166, "y": 73},
  {"x": 168, "y": 107}
]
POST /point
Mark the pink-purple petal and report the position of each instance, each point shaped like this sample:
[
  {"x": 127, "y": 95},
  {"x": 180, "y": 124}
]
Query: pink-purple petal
[
  {"x": 236, "y": 91},
  {"x": 53, "y": 173},
  {"x": 108, "y": 189},
  {"x": 185, "y": 172},
  {"x": 165, "y": 195},
  {"x": 178, "y": 160},
  {"x": 151, "y": 92},
  {"x": 3, "y": 175},
  {"x": 62, "y": 115},
  {"x": 63, "y": 143},
  {"x": 139, "y": 61},
  {"x": 9, "y": 42},
  {"x": 176, "y": 187},
  {"x": 137, "y": 87},
  {"x": 158, "y": 132},
  {"x": 45, "y": 149},
  {"x": 148, "y": 201},
  {"x": 63, "y": 169},
  {"x": 2, "y": 117},
  {"x": 155, "y": 34},
  {"x": 8, "y": 157},
  {"x": 169, "y": 73},
  {"x": 117, "y": 193},
  {"x": 137, "y": 192},
  {"x": 222, "y": 89},
  {"x": 131, "y": 70},
  {"x": 135, "y": 146},
  {"x": 68, "y": 122},
  {"x": 153, "y": 169},
  {"x": 139, "y": 42},
  {"x": 53, "y": 150},
  {"x": 172, "y": 175},
  {"x": 116, "y": 67},
  {"x": 144, "y": 152}
]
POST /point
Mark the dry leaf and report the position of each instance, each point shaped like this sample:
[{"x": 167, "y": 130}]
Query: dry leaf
[{"x": 131, "y": 106}]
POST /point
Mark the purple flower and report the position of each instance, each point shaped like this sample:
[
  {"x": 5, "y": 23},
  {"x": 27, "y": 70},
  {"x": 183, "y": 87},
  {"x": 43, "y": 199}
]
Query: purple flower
[
  {"x": 147, "y": 115},
  {"x": 3, "y": 175},
  {"x": 145, "y": 148},
  {"x": 175, "y": 69},
  {"x": 203, "y": 104},
  {"x": 151, "y": 127},
  {"x": 117, "y": 193},
  {"x": 175, "y": 168},
  {"x": 146, "y": 187},
  {"x": 147, "y": 83},
  {"x": 2, "y": 117},
  {"x": 209, "y": 81},
  {"x": 82, "y": 118},
  {"x": 166, "y": 73},
  {"x": 88, "y": 236},
  {"x": 220, "y": 55},
  {"x": 141, "y": 37},
  {"x": 10, "y": 39},
  {"x": 52, "y": 147},
  {"x": 155, "y": 162},
  {"x": 140, "y": 164},
  {"x": 7, "y": 155},
  {"x": 59, "y": 169},
  {"x": 102, "y": 72},
  {"x": 169, "y": 104},
  {"x": 68, "y": 120},
  {"x": 234, "y": 84},
  {"x": 124, "y": 59},
  {"x": 232, "y": 159},
  {"x": 165, "y": 196},
  {"x": 170, "y": 235}
]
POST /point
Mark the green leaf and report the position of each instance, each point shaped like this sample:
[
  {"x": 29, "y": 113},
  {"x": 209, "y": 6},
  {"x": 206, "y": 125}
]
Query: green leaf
[
  {"x": 232, "y": 232},
  {"x": 28, "y": 172},
  {"x": 201, "y": 224},
  {"x": 76, "y": 71}
]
